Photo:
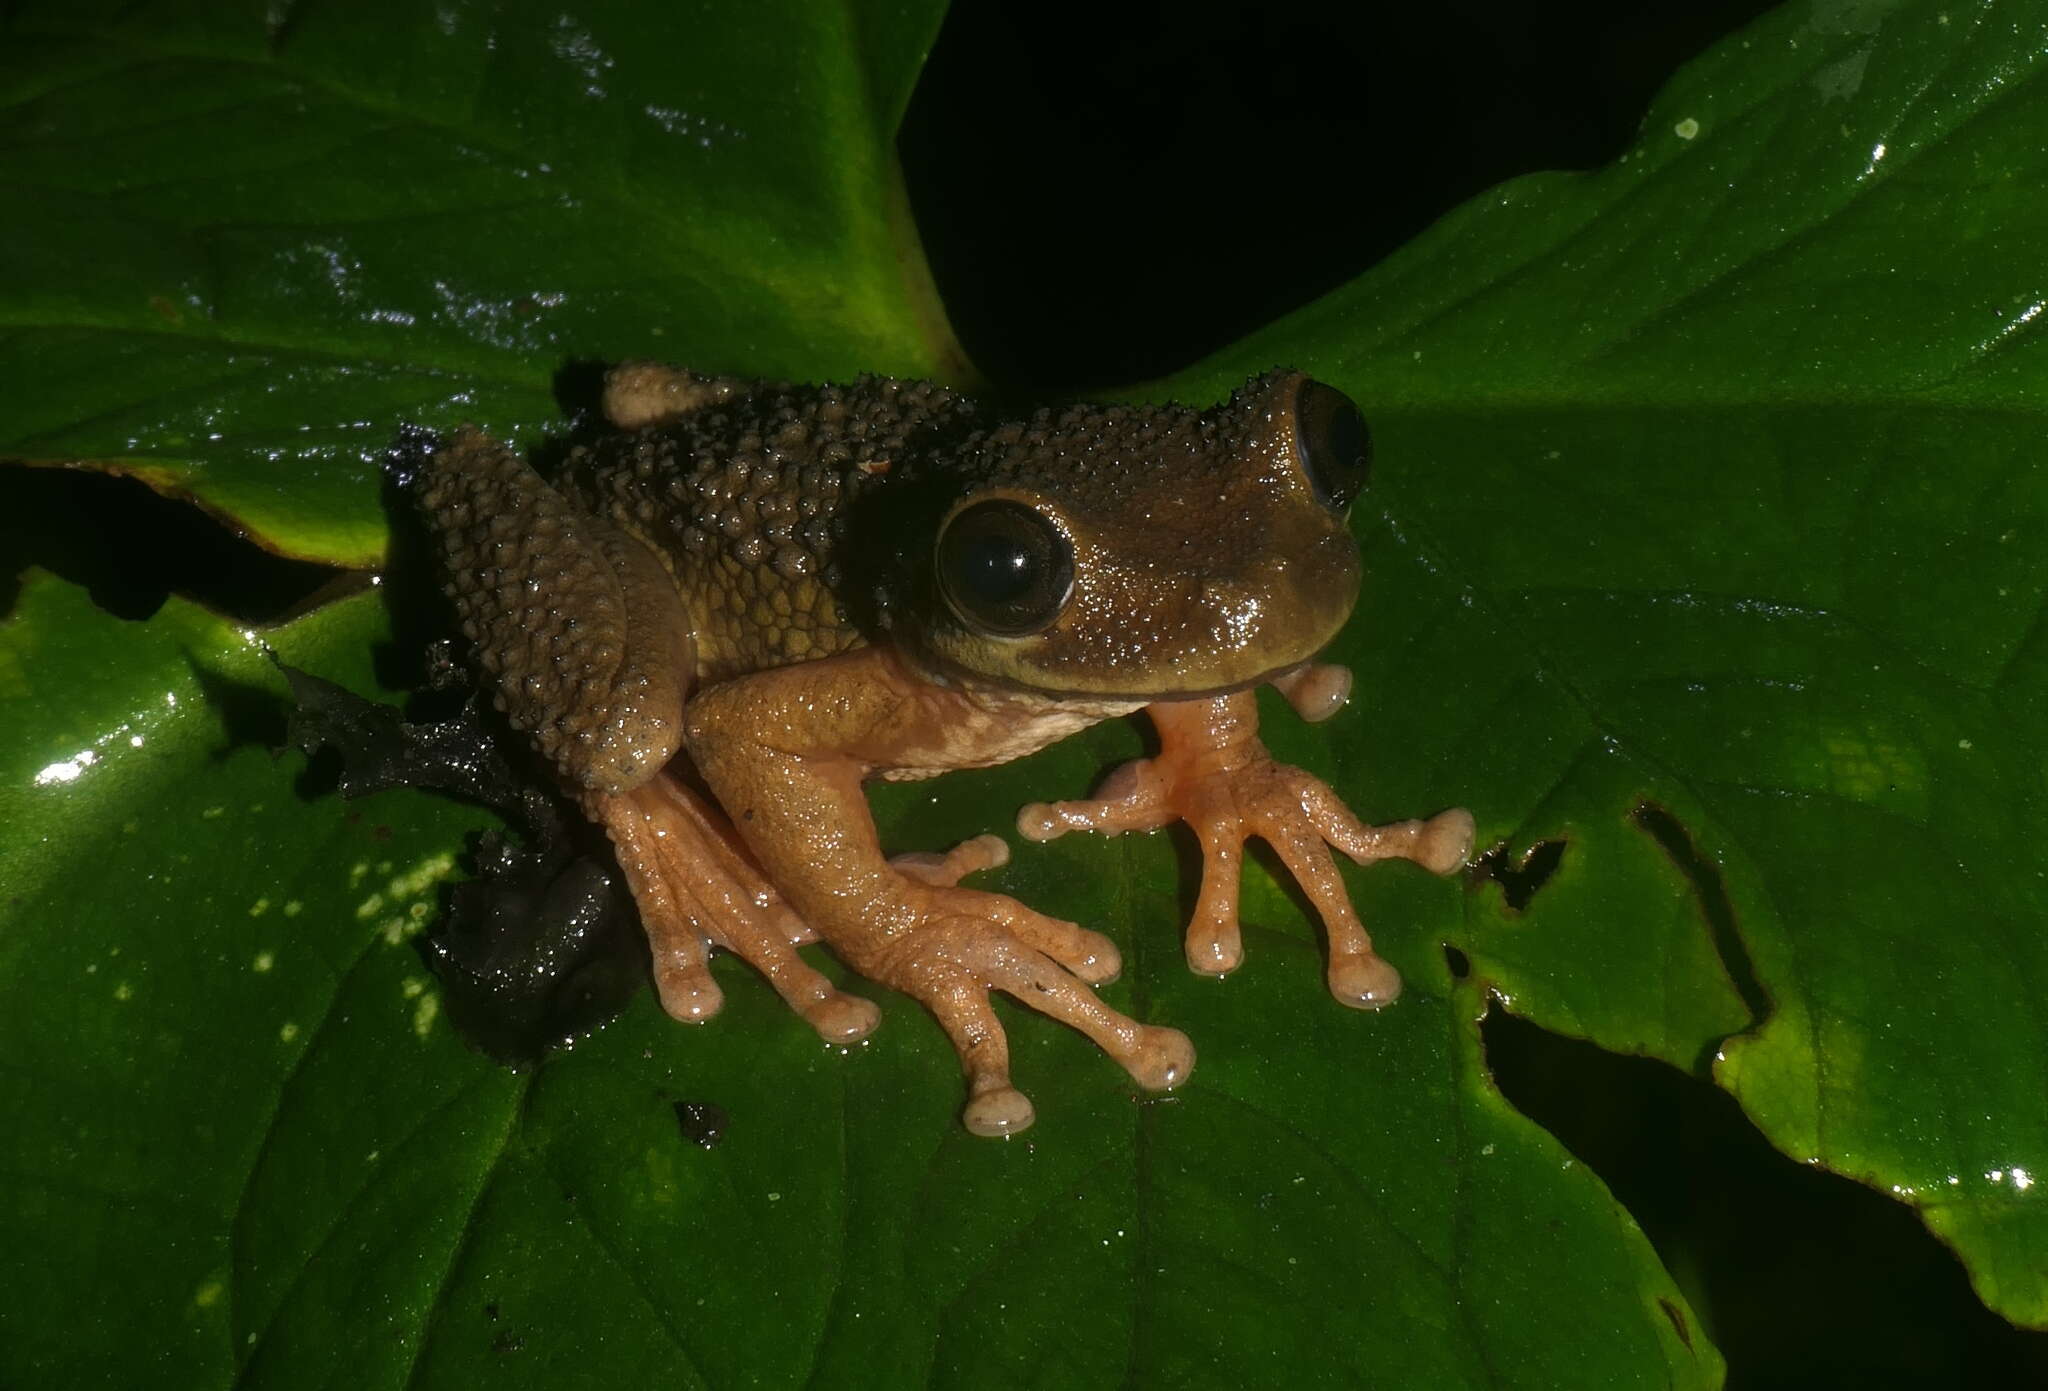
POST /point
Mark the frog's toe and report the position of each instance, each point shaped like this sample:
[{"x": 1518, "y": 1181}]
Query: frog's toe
[
  {"x": 1439, "y": 844},
  {"x": 1163, "y": 1059},
  {"x": 1134, "y": 797},
  {"x": 968, "y": 857},
  {"x": 972, "y": 943},
  {"x": 960, "y": 1004},
  {"x": 1214, "y": 952},
  {"x": 1155, "y": 1057},
  {"x": 1089, "y": 955},
  {"x": 1364, "y": 980},
  {"x": 640, "y": 394},
  {"x": 1316, "y": 690},
  {"x": 682, "y": 980},
  {"x": 1445, "y": 841},
  {"x": 842, "y": 1018},
  {"x": 999, "y": 1111},
  {"x": 696, "y": 889}
]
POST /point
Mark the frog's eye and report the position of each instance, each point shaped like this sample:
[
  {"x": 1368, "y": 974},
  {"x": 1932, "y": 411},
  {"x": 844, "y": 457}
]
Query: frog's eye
[
  {"x": 1331, "y": 437},
  {"x": 1005, "y": 568}
]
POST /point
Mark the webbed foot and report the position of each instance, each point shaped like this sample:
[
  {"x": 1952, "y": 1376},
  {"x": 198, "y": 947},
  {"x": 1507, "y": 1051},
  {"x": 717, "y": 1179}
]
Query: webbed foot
[
  {"x": 960, "y": 944},
  {"x": 698, "y": 888},
  {"x": 1214, "y": 773}
]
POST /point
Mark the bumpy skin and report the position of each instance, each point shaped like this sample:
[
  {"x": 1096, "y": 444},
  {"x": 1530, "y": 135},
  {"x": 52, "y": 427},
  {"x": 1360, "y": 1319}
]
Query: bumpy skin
[
  {"x": 749, "y": 498},
  {"x": 740, "y": 583},
  {"x": 576, "y": 622}
]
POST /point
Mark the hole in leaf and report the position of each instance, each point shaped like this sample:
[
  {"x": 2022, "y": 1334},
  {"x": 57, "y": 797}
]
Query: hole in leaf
[
  {"x": 132, "y": 548},
  {"x": 1707, "y": 886},
  {"x": 1460, "y": 964},
  {"x": 1519, "y": 880},
  {"x": 1801, "y": 1277}
]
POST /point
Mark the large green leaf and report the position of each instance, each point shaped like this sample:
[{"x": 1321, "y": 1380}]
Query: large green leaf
[
  {"x": 1704, "y": 484},
  {"x": 1739, "y": 505},
  {"x": 244, "y": 241},
  {"x": 244, "y": 1138}
]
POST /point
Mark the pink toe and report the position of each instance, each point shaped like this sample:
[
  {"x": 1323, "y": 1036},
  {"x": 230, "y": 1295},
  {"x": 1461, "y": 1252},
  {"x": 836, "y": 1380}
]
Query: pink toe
[
  {"x": 1039, "y": 822},
  {"x": 843, "y": 1018},
  {"x": 1447, "y": 841},
  {"x": 999, "y": 1111},
  {"x": 1214, "y": 956},
  {"x": 690, "y": 997},
  {"x": 1164, "y": 1059},
  {"x": 1364, "y": 982}
]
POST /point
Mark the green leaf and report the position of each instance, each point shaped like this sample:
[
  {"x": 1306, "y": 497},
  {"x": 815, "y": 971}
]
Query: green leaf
[
  {"x": 1705, "y": 482},
  {"x": 1722, "y": 468},
  {"x": 243, "y": 1135},
  {"x": 246, "y": 241}
]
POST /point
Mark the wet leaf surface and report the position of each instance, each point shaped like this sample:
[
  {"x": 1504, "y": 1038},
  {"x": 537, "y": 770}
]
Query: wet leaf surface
[
  {"x": 1726, "y": 461},
  {"x": 1706, "y": 482},
  {"x": 246, "y": 242}
]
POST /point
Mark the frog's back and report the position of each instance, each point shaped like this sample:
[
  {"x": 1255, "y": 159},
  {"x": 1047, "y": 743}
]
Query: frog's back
[{"x": 747, "y": 501}]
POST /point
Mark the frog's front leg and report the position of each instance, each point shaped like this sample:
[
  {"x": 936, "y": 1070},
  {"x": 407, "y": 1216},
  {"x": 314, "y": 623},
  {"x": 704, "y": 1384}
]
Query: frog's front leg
[
  {"x": 1214, "y": 773},
  {"x": 786, "y": 751},
  {"x": 696, "y": 889}
]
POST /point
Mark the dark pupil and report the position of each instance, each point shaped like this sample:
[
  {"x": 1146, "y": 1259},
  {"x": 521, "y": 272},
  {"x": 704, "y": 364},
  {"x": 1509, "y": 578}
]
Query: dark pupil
[
  {"x": 1004, "y": 567},
  {"x": 1335, "y": 444},
  {"x": 995, "y": 568},
  {"x": 1347, "y": 430}
]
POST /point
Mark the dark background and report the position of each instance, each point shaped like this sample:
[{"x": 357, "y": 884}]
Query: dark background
[{"x": 1110, "y": 191}]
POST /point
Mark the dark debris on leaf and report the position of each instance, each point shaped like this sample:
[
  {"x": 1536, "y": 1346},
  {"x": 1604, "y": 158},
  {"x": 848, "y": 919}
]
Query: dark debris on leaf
[
  {"x": 702, "y": 1122},
  {"x": 542, "y": 946}
]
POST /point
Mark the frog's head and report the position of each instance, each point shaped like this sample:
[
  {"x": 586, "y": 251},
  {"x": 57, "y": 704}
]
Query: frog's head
[{"x": 1144, "y": 552}]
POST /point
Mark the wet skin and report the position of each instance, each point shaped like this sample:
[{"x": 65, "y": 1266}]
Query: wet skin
[{"x": 750, "y": 598}]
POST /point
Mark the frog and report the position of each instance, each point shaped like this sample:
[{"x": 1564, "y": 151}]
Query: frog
[{"x": 738, "y": 602}]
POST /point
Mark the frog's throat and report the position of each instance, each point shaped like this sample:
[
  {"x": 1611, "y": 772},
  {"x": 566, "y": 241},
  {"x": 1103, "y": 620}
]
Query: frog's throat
[{"x": 940, "y": 671}]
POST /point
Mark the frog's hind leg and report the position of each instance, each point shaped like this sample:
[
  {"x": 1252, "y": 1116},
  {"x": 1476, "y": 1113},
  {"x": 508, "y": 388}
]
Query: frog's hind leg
[
  {"x": 576, "y": 625},
  {"x": 579, "y": 627},
  {"x": 698, "y": 888}
]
